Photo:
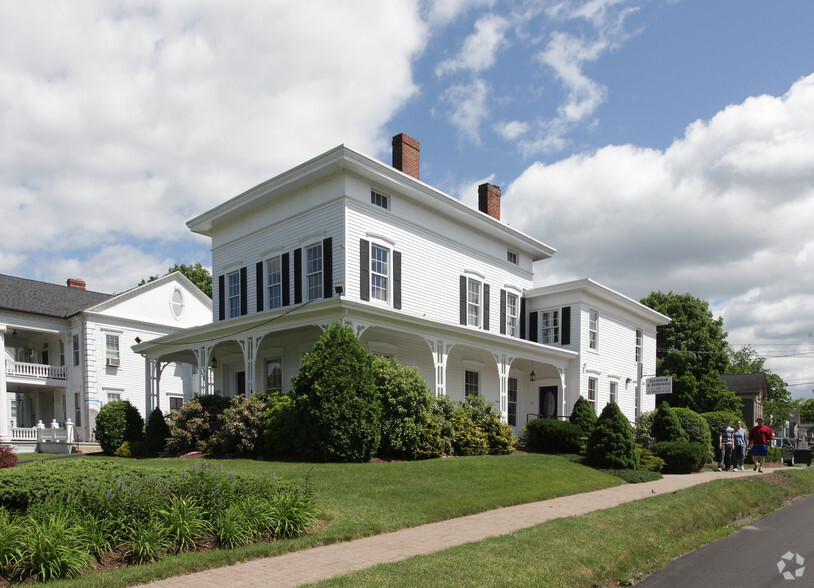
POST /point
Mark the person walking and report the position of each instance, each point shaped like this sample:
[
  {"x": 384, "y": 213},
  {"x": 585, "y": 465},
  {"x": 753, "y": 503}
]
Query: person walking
[
  {"x": 759, "y": 436},
  {"x": 725, "y": 445},
  {"x": 740, "y": 440}
]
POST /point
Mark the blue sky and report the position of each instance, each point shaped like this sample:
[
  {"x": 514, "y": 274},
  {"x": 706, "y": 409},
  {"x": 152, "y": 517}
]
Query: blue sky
[{"x": 657, "y": 145}]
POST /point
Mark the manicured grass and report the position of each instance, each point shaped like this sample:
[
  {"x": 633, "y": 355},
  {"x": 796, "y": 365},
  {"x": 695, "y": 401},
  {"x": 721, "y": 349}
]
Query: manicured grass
[
  {"x": 357, "y": 500},
  {"x": 603, "y": 548}
]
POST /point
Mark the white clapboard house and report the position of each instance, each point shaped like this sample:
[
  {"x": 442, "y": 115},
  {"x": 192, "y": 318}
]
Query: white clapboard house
[
  {"x": 420, "y": 277},
  {"x": 67, "y": 351}
]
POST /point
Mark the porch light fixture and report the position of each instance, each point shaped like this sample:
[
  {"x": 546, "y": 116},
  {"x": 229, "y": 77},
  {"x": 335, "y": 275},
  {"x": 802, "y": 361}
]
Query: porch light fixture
[
  {"x": 339, "y": 288},
  {"x": 532, "y": 375},
  {"x": 214, "y": 363},
  {"x": 14, "y": 334}
]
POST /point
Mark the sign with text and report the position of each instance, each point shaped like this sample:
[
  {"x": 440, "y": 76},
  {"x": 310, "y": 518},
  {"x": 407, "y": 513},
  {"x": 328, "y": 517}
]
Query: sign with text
[{"x": 659, "y": 385}]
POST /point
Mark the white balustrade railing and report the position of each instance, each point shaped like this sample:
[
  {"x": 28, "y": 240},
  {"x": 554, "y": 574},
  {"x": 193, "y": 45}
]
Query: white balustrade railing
[
  {"x": 41, "y": 433},
  {"x": 36, "y": 370}
]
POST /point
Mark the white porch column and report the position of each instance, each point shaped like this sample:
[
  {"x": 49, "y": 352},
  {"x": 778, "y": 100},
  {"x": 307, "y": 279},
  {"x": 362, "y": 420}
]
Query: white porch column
[
  {"x": 249, "y": 346},
  {"x": 440, "y": 353},
  {"x": 202, "y": 357},
  {"x": 5, "y": 417},
  {"x": 564, "y": 383},
  {"x": 504, "y": 364},
  {"x": 148, "y": 385}
]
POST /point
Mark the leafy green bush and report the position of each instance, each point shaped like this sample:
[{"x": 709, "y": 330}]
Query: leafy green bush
[
  {"x": 648, "y": 460},
  {"x": 241, "y": 427},
  {"x": 694, "y": 425},
  {"x": 156, "y": 432},
  {"x": 131, "y": 449},
  {"x": 666, "y": 426},
  {"x": 336, "y": 407},
  {"x": 431, "y": 444},
  {"x": 553, "y": 436},
  {"x": 611, "y": 445},
  {"x": 406, "y": 402},
  {"x": 279, "y": 427},
  {"x": 500, "y": 439},
  {"x": 642, "y": 428},
  {"x": 680, "y": 457},
  {"x": 118, "y": 421},
  {"x": 716, "y": 420},
  {"x": 468, "y": 438},
  {"x": 192, "y": 426},
  {"x": 584, "y": 416},
  {"x": 8, "y": 459}
]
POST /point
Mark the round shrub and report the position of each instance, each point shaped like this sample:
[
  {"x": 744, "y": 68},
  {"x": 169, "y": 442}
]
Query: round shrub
[
  {"x": 584, "y": 416},
  {"x": 665, "y": 425},
  {"x": 648, "y": 460},
  {"x": 500, "y": 439},
  {"x": 279, "y": 427},
  {"x": 680, "y": 457},
  {"x": 431, "y": 444},
  {"x": 118, "y": 421},
  {"x": 336, "y": 409},
  {"x": 193, "y": 425},
  {"x": 694, "y": 425},
  {"x": 131, "y": 449},
  {"x": 156, "y": 432},
  {"x": 553, "y": 436},
  {"x": 611, "y": 445},
  {"x": 468, "y": 438},
  {"x": 241, "y": 427}
]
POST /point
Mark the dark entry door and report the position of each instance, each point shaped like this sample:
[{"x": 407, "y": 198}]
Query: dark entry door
[{"x": 548, "y": 402}]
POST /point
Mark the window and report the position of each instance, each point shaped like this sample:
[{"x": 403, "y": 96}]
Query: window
[
  {"x": 473, "y": 302},
  {"x": 379, "y": 199},
  {"x": 113, "y": 396},
  {"x": 77, "y": 409},
  {"x": 379, "y": 270},
  {"x": 592, "y": 382},
  {"x": 313, "y": 271},
  {"x": 613, "y": 392},
  {"x": 177, "y": 303},
  {"x": 638, "y": 345},
  {"x": 511, "y": 257},
  {"x": 176, "y": 402},
  {"x": 112, "y": 350},
  {"x": 274, "y": 282},
  {"x": 470, "y": 383},
  {"x": 234, "y": 294},
  {"x": 593, "y": 330},
  {"x": 511, "y": 314},
  {"x": 75, "y": 345},
  {"x": 550, "y": 325},
  {"x": 512, "y": 406},
  {"x": 61, "y": 352},
  {"x": 274, "y": 375}
]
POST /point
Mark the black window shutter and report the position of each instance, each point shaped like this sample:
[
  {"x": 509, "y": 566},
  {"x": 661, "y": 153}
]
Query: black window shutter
[
  {"x": 364, "y": 269},
  {"x": 222, "y": 297},
  {"x": 327, "y": 268},
  {"x": 286, "y": 279},
  {"x": 244, "y": 291},
  {"x": 503, "y": 312},
  {"x": 259, "y": 285},
  {"x": 533, "y": 326},
  {"x": 397, "y": 280},
  {"x": 486, "y": 307},
  {"x": 522, "y": 318},
  {"x": 565, "y": 325},
  {"x": 463, "y": 300},
  {"x": 297, "y": 276}
]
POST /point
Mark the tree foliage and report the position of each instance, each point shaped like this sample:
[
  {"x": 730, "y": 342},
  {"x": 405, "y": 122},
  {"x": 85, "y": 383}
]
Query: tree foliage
[
  {"x": 779, "y": 403},
  {"x": 196, "y": 273},
  {"x": 611, "y": 445},
  {"x": 807, "y": 411},
  {"x": 693, "y": 350}
]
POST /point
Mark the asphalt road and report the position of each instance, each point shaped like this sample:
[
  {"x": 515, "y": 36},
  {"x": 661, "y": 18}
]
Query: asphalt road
[{"x": 776, "y": 550}]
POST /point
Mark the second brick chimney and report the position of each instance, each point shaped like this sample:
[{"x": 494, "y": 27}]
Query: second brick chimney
[
  {"x": 489, "y": 200},
  {"x": 405, "y": 154},
  {"x": 76, "y": 283}
]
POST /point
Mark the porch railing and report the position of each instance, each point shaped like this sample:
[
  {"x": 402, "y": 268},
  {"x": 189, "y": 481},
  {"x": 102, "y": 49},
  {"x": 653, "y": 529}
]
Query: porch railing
[
  {"x": 36, "y": 370},
  {"x": 42, "y": 434}
]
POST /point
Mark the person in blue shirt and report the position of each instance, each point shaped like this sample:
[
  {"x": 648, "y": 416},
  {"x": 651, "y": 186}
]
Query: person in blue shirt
[{"x": 740, "y": 441}]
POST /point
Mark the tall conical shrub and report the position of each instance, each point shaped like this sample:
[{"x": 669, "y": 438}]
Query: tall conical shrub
[
  {"x": 612, "y": 445},
  {"x": 584, "y": 416},
  {"x": 156, "y": 432},
  {"x": 666, "y": 426}
]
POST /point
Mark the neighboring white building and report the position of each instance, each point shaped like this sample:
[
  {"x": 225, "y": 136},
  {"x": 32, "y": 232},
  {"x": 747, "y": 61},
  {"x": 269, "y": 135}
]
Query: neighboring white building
[
  {"x": 420, "y": 277},
  {"x": 67, "y": 351}
]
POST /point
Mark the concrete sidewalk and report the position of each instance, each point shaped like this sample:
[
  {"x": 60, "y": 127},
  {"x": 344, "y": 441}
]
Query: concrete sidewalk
[{"x": 319, "y": 563}]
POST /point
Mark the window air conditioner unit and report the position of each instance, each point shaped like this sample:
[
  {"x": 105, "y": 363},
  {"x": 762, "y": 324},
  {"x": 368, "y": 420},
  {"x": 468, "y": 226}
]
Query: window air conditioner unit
[{"x": 113, "y": 362}]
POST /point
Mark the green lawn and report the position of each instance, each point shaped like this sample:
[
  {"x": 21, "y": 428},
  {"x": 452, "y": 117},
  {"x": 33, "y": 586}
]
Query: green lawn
[
  {"x": 356, "y": 500},
  {"x": 616, "y": 546}
]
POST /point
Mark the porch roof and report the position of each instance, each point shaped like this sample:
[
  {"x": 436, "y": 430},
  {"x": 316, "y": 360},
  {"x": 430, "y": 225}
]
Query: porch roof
[{"x": 329, "y": 311}]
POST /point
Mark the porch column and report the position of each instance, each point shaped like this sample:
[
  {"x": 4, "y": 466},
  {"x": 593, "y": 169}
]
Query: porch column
[
  {"x": 564, "y": 384},
  {"x": 440, "y": 353},
  {"x": 249, "y": 346},
  {"x": 148, "y": 385},
  {"x": 5, "y": 417},
  {"x": 202, "y": 357},
  {"x": 504, "y": 363}
]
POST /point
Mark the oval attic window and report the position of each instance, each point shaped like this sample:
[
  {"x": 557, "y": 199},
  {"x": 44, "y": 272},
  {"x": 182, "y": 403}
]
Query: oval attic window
[{"x": 177, "y": 303}]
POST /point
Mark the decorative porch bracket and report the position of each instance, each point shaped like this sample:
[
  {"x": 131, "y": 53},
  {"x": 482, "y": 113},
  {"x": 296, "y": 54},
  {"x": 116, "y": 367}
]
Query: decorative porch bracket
[
  {"x": 250, "y": 345},
  {"x": 504, "y": 364},
  {"x": 440, "y": 350},
  {"x": 202, "y": 356}
]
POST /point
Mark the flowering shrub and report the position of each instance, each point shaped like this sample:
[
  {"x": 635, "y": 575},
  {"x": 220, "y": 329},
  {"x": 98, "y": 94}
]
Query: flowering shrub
[
  {"x": 241, "y": 427},
  {"x": 8, "y": 459},
  {"x": 194, "y": 424}
]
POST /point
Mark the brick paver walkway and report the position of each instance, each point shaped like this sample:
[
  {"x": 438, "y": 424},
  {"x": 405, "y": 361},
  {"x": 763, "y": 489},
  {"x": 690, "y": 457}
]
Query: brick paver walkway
[{"x": 319, "y": 563}]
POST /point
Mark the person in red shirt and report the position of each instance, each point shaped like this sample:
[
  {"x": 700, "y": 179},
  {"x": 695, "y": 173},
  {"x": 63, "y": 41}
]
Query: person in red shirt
[{"x": 759, "y": 436}]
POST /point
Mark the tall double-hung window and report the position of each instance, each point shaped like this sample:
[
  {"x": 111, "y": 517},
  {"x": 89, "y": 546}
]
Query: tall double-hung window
[
  {"x": 512, "y": 312},
  {"x": 379, "y": 272},
  {"x": 550, "y": 327},
  {"x": 593, "y": 330},
  {"x": 313, "y": 271},
  {"x": 638, "y": 345},
  {"x": 233, "y": 294},
  {"x": 274, "y": 282},
  {"x": 471, "y": 383},
  {"x": 474, "y": 300}
]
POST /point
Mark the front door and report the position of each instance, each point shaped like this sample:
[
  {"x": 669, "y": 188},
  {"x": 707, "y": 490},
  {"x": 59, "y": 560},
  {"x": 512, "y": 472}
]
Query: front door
[{"x": 548, "y": 402}]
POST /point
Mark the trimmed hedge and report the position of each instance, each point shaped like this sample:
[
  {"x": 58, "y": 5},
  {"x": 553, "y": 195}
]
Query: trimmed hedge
[
  {"x": 680, "y": 457},
  {"x": 118, "y": 421},
  {"x": 553, "y": 436}
]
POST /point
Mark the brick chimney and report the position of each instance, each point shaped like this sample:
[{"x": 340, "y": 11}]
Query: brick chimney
[
  {"x": 405, "y": 154},
  {"x": 489, "y": 200},
  {"x": 76, "y": 283}
]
